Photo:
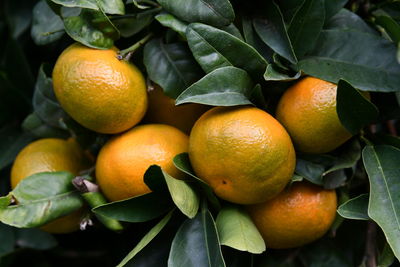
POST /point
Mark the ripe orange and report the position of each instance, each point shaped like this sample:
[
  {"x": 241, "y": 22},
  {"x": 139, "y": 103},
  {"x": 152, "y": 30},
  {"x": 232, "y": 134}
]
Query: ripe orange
[
  {"x": 124, "y": 159},
  {"x": 99, "y": 91},
  {"x": 297, "y": 216},
  {"x": 162, "y": 109},
  {"x": 308, "y": 112},
  {"x": 242, "y": 152},
  {"x": 50, "y": 155}
]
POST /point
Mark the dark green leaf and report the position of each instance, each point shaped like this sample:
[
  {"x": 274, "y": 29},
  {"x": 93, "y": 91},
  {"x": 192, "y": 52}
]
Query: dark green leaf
[
  {"x": 212, "y": 12},
  {"x": 382, "y": 166},
  {"x": 254, "y": 40},
  {"x": 272, "y": 30},
  {"x": 386, "y": 257},
  {"x": 35, "y": 239},
  {"x": 137, "y": 209},
  {"x": 172, "y": 66},
  {"x": 91, "y": 28},
  {"x": 355, "y": 208},
  {"x": 310, "y": 171},
  {"x": 11, "y": 142},
  {"x": 273, "y": 73},
  {"x": 146, "y": 239},
  {"x": 18, "y": 15},
  {"x": 172, "y": 22},
  {"x": 347, "y": 158},
  {"x": 332, "y": 7},
  {"x": 47, "y": 26},
  {"x": 38, "y": 128},
  {"x": 196, "y": 243},
  {"x": 233, "y": 30},
  {"x": 237, "y": 230},
  {"x": 154, "y": 179},
  {"x": 108, "y": 6},
  {"x": 214, "y": 48},
  {"x": 306, "y": 26},
  {"x": 289, "y": 8},
  {"x": 7, "y": 243},
  {"x": 227, "y": 86},
  {"x": 390, "y": 26},
  {"x": 348, "y": 20},
  {"x": 355, "y": 111},
  {"x": 182, "y": 162},
  {"x": 129, "y": 26},
  {"x": 41, "y": 198}
]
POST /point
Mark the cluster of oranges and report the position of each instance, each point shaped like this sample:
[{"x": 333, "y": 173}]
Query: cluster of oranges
[{"x": 244, "y": 154}]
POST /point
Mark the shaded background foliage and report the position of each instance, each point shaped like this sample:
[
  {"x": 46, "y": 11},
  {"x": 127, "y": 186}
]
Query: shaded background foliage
[{"x": 300, "y": 39}]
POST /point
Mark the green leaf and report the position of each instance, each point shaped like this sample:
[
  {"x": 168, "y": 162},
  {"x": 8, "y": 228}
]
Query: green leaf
[
  {"x": 168, "y": 20},
  {"x": 386, "y": 257},
  {"x": 332, "y": 7},
  {"x": 214, "y": 48},
  {"x": 306, "y": 26},
  {"x": 17, "y": 15},
  {"x": 355, "y": 208},
  {"x": 172, "y": 66},
  {"x": 311, "y": 171},
  {"x": 370, "y": 67},
  {"x": 109, "y": 6},
  {"x": 354, "y": 110},
  {"x": 47, "y": 26},
  {"x": 390, "y": 26},
  {"x": 183, "y": 195},
  {"x": 35, "y": 239},
  {"x": 196, "y": 243},
  {"x": 273, "y": 73},
  {"x": 212, "y": 12},
  {"x": 41, "y": 198},
  {"x": 182, "y": 163},
  {"x": 133, "y": 23},
  {"x": 254, "y": 40},
  {"x": 91, "y": 28},
  {"x": 272, "y": 31},
  {"x": 34, "y": 125},
  {"x": 136, "y": 209},
  {"x": 7, "y": 243},
  {"x": 289, "y": 8},
  {"x": 382, "y": 166},
  {"x": 237, "y": 230},
  {"x": 347, "y": 20},
  {"x": 11, "y": 142},
  {"x": 227, "y": 86},
  {"x": 147, "y": 239},
  {"x": 45, "y": 104}
]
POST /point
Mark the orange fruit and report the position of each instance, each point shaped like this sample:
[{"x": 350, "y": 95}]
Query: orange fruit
[
  {"x": 308, "y": 112},
  {"x": 297, "y": 216},
  {"x": 51, "y": 155},
  {"x": 101, "y": 92},
  {"x": 124, "y": 159},
  {"x": 162, "y": 110},
  {"x": 242, "y": 152}
]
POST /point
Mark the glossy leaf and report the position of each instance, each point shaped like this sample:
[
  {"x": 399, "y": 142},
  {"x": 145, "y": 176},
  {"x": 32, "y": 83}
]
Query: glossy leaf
[
  {"x": 382, "y": 166},
  {"x": 214, "y": 48},
  {"x": 355, "y": 208},
  {"x": 172, "y": 22},
  {"x": 11, "y": 142},
  {"x": 196, "y": 243},
  {"x": 172, "y": 66},
  {"x": 370, "y": 67},
  {"x": 252, "y": 38},
  {"x": 129, "y": 26},
  {"x": 182, "y": 163},
  {"x": 306, "y": 26},
  {"x": 237, "y": 230},
  {"x": 40, "y": 198},
  {"x": 146, "y": 239},
  {"x": 35, "y": 126},
  {"x": 212, "y": 12},
  {"x": 227, "y": 86},
  {"x": 272, "y": 31},
  {"x": 354, "y": 110},
  {"x": 273, "y": 73},
  {"x": 108, "y": 6},
  {"x": 390, "y": 26},
  {"x": 47, "y": 26},
  {"x": 91, "y": 28},
  {"x": 348, "y": 20},
  {"x": 138, "y": 209},
  {"x": 332, "y": 7},
  {"x": 310, "y": 171},
  {"x": 183, "y": 195},
  {"x": 348, "y": 157}
]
